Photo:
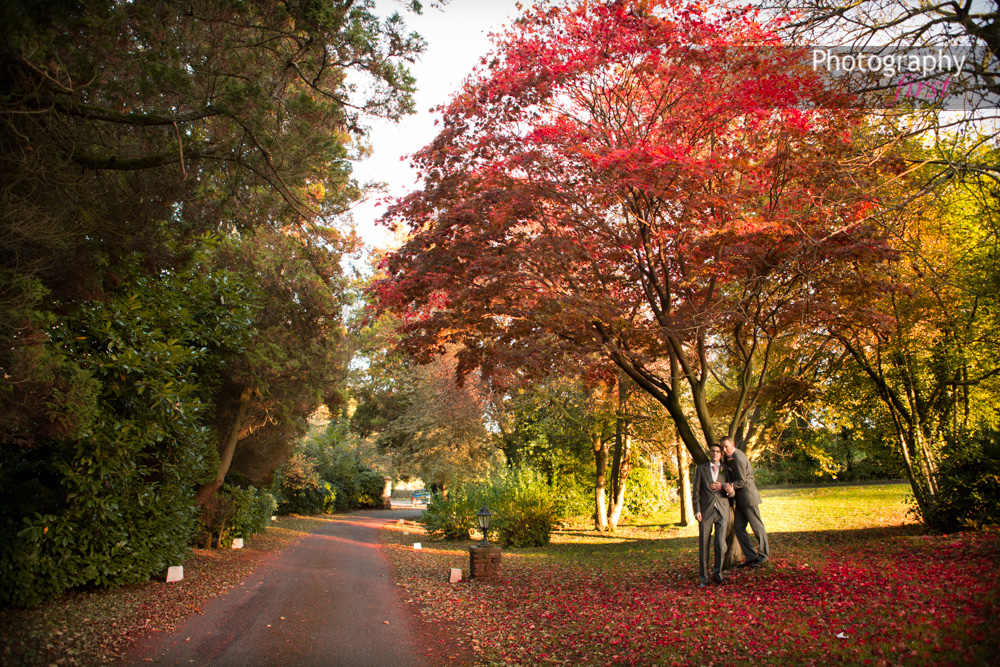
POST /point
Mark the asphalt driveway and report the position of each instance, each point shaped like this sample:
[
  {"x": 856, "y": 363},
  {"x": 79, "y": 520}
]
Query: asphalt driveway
[{"x": 329, "y": 600}]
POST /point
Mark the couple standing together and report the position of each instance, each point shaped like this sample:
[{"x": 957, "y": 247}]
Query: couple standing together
[{"x": 715, "y": 484}]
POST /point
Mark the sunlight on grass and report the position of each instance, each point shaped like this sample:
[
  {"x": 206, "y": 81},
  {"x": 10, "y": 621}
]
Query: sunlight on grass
[{"x": 784, "y": 511}]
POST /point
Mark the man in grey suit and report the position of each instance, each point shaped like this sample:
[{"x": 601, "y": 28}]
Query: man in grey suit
[
  {"x": 711, "y": 509},
  {"x": 747, "y": 500}
]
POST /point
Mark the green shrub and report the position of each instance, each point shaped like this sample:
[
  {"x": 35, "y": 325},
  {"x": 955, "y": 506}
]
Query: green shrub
[
  {"x": 343, "y": 491},
  {"x": 113, "y": 501},
  {"x": 451, "y": 518},
  {"x": 784, "y": 472},
  {"x": 521, "y": 501},
  {"x": 235, "y": 512},
  {"x": 574, "y": 499},
  {"x": 968, "y": 494},
  {"x": 301, "y": 489},
  {"x": 644, "y": 494},
  {"x": 523, "y": 507},
  {"x": 523, "y": 524},
  {"x": 370, "y": 484}
]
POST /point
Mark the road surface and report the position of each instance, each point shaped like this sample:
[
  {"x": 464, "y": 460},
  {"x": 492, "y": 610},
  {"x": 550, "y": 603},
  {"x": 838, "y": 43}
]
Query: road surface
[{"x": 328, "y": 600}]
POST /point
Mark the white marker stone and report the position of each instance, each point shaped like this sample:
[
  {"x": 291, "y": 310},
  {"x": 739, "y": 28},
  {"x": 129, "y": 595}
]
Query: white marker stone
[
  {"x": 237, "y": 542},
  {"x": 175, "y": 573},
  {"x": 456, "y": 576},
  {"x": 416, "y": 546}
]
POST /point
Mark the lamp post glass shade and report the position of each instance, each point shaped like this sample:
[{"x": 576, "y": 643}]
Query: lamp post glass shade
[{"x": 484, "y": 517}]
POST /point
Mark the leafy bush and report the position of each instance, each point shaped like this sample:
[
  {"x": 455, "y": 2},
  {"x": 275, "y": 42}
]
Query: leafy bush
[
  {"x": 574, "y": 499},
  {"x": 451, "y": 518},
  {"x": 791, "y": 471},
  {"x": 968, "y": 494},
  {"x": 523, "y": 507},
  {"x": 343, "y": 492},
  {"x": 525, "y": 524},
  {"x": 521, "y": 501},
  {"x": 301, "y": 489},
  {"x": 644, "y": 494},
  {"x": 235, "y": 512},
  {"x": 113, "y": 502},
  {"x": 370, "y": 484}
]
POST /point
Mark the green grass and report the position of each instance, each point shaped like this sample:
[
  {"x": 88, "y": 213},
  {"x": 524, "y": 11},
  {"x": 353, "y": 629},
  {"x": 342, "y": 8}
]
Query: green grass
[{"x": 791, "y": 516}]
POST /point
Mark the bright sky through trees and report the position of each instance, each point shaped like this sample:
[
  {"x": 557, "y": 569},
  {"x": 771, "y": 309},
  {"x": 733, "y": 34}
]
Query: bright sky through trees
[{"x": 457, "y": 37}]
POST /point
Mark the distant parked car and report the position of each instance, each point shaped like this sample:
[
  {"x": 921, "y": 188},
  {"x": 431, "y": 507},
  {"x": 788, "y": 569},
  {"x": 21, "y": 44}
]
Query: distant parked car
[{"x": 420, "y": 496}]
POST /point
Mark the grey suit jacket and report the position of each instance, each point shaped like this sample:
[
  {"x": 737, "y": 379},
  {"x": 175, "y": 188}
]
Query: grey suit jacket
[
  {"x": 703, "y": 498},
  {"x": 741, "y": 477}
]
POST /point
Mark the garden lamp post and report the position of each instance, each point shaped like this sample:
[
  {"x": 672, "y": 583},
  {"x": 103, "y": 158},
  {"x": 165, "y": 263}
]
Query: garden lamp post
[
  {"x": 484, "y": 558},
  {"x": 484, "y": 517}
]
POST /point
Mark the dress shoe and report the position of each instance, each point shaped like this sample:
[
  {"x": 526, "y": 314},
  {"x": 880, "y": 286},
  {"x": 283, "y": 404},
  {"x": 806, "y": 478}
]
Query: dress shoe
[
  {"x": 758, "y": 562},
  {"x": 718, "y": 579},
  {"x": 702, "y": 584}
]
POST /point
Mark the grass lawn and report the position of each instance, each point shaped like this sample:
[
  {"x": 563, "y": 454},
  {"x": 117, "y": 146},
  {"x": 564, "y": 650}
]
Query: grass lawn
[{"x": 851, "y": 582}]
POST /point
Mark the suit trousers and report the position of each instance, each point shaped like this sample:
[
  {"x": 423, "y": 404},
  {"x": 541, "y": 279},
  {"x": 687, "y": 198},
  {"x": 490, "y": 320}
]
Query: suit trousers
[
  {"x": 712, "y": 519},
  {"x": 751, "y": 515}
]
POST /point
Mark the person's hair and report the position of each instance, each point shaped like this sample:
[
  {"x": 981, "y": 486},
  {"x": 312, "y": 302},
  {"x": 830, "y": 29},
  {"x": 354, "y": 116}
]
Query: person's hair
[
  {"x": 715, "y": 444},
  {"x": 724, "y": 440}
]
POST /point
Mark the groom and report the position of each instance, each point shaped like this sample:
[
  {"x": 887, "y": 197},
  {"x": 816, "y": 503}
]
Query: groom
[
  {"x": 711, "y": 509},
  {"x": 747, "y": 501}
]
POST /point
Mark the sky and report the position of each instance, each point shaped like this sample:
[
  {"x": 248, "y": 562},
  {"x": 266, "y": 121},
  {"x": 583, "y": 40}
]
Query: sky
[{"x": 457, "y": 37}]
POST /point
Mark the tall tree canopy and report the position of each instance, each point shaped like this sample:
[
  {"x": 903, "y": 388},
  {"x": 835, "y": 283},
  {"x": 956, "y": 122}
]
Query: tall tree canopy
[
  {"x": 170, "y": 282},
  {"x": 968, "y": 29},
  {"x": 655, "y": 181},
  {"x": 133, "y": 126}
]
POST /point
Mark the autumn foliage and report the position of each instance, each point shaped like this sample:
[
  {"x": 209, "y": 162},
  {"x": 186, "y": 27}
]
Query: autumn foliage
[{"x": 660, "y": 182}]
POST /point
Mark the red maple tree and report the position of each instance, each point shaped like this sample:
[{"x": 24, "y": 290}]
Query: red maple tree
[{"x": 662, "y": 182}]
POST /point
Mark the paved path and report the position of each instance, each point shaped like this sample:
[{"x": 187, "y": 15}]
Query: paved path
[{"x": 336, "y": 593}]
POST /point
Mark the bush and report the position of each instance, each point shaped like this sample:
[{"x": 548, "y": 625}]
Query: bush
[
  {"x": 525, "y": 524},
  {"x": 235, "y": 512},
  {"x": 111, "y": 501},
  {"x": 968, "y": 494},
  {"x": 521, "y": 501},
  {"x": 523, "y": 507},
  {"x": 788, "y": 472},
  {"x": 370, "y": 484},
  {"x": 301, "y": 489},
  {"x": 451, "y": 518},
  {"x": 343, "y": 491},
  {"x": 574, "y": 499},
  {"x": 644, "y": 494}
]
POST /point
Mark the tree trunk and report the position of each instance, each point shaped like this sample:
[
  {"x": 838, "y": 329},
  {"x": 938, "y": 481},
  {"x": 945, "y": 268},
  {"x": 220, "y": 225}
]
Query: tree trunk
[
  {"x": 206, "y": 491},
  {"x": 600, "y": 482},
  {"x": 734, "y": 553},
  {"x": 621, "y": 466},
  {"x": 684, "y": 484}
]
